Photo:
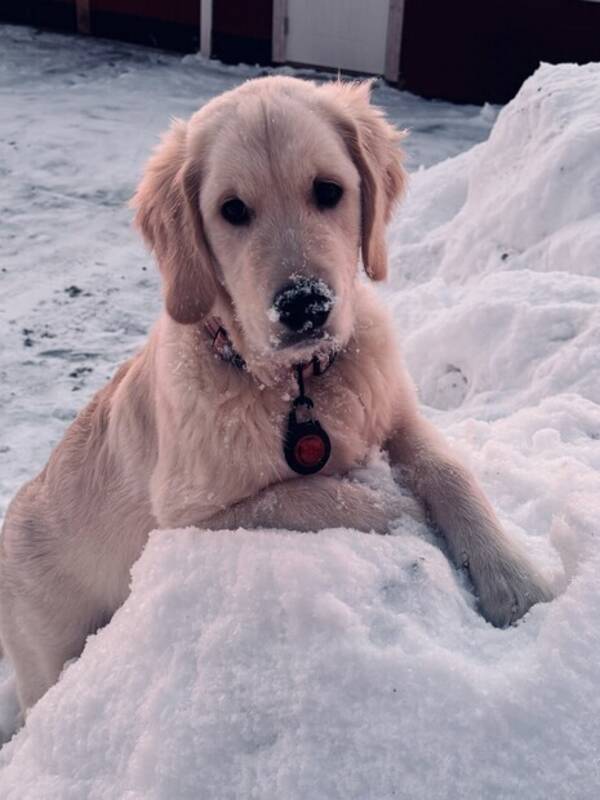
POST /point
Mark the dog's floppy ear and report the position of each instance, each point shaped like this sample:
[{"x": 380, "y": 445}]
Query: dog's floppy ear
[
  {"x": 168, "y": 215},
  {"x": 373, "y": 146}
]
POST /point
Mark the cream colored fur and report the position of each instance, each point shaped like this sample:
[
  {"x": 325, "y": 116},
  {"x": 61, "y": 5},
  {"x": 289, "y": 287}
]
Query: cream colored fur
[{"x": 179, "y": 437}]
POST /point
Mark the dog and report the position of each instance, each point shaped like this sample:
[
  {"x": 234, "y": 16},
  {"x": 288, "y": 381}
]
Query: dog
[{"x": 272, "y": 372}]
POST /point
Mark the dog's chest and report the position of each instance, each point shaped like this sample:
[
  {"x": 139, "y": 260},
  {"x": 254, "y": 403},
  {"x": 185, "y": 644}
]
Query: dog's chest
[{"x": 351, "y": 403}]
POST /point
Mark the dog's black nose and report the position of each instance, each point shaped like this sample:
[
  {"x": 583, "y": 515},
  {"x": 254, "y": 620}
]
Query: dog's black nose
[{"x": 303, "y": 305}]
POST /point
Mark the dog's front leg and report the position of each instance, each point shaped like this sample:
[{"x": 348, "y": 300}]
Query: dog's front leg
[
  {"x": 506, "y": 583},
  {"x": 314, "y": 503}
]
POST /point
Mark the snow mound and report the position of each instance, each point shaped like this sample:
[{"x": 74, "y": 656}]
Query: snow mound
[
  {"x": 339, "y": 665},
  {"x": 497, "y": 254}
]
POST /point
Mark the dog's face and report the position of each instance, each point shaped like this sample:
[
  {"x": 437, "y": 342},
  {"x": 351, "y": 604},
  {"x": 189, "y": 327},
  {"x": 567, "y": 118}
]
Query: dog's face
[
  {"x": 259, "y": 207},
  {"x": 280, "y": 202}
]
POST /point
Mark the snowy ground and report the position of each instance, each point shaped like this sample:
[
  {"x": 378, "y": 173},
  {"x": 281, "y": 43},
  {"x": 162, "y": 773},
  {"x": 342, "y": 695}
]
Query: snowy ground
[{"x": 273, "y": 665}]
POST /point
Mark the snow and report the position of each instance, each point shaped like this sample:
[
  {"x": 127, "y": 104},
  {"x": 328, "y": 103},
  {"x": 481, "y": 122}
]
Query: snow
[{"x": 337, "y": 665}]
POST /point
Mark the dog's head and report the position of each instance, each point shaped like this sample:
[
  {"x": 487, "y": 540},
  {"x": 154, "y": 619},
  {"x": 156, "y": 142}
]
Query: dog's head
[{"x": 259, "y": 207}]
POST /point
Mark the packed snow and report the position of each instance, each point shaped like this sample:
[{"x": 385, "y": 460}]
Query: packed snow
[{"x": 271, "y": 664}]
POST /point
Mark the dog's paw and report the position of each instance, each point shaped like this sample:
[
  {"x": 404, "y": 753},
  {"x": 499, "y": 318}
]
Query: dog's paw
[{"x": 506, "y": 587}]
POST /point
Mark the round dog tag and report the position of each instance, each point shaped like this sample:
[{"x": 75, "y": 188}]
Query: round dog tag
[{"x": 306, "y": 446}]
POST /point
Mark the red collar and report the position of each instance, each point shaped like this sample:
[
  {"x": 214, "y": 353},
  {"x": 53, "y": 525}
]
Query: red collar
[
  {"x": 222, "y": 344},
  {"x": 223, "y": 347}
]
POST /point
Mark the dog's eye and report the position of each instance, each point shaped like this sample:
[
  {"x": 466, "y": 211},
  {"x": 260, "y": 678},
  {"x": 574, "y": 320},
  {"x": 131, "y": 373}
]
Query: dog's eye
[
  {"x": 327, "y": 194},
  {"x": 235, "y": 212}
]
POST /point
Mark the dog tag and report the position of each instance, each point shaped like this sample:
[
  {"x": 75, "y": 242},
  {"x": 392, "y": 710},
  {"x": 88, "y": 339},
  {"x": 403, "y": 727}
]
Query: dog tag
[{"x": 306, "y": 444}]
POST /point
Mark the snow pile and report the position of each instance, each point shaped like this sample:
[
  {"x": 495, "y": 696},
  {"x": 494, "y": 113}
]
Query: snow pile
[
  {"x": 338, "y": 665},
  {"x": 501, "y": 248}
]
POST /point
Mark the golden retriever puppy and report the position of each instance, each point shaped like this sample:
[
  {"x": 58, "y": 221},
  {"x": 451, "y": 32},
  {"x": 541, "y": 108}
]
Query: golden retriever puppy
[{"x": 272, "y": 372}]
